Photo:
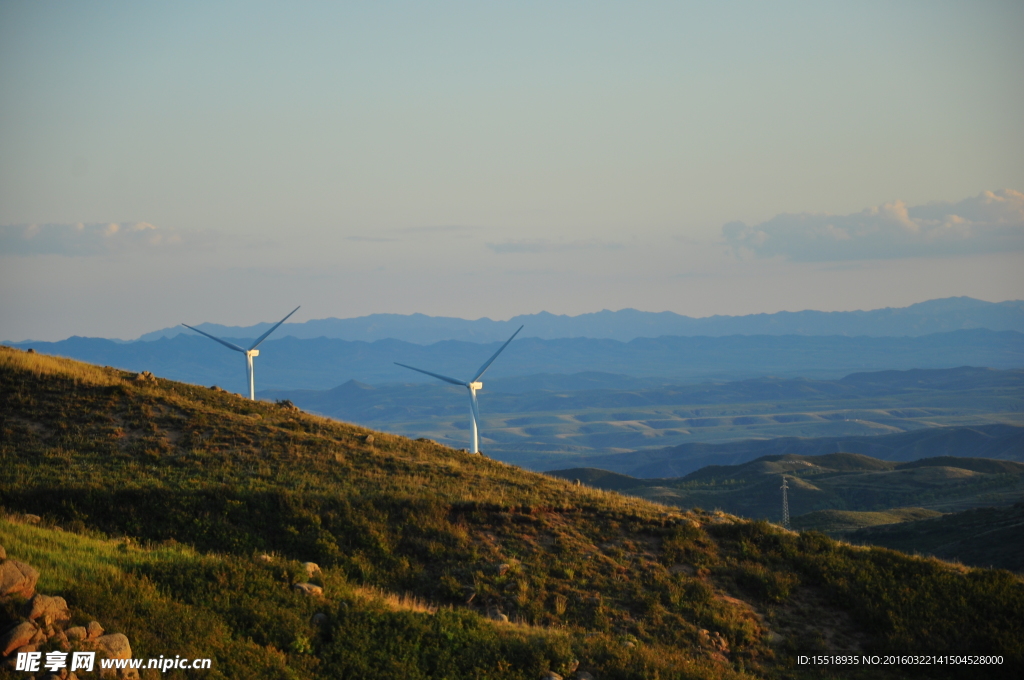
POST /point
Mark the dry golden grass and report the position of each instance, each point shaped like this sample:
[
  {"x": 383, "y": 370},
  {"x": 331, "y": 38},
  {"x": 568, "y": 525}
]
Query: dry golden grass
[
  {"x": 393, "y": 601},
  {"x": 39, "y": 365}
]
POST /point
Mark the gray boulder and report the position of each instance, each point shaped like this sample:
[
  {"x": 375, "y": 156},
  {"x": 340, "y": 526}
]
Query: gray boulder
[
  {"x": 49, "y": 609},
  {"x": 308, "y": 589},
  {"x": 114, "y": 646},
  {"x": 495, "y": 614},
  {"x": 17, "y": 636},
  {"x": 76, "y": 633},
  {"x": 17, "y": 578}
]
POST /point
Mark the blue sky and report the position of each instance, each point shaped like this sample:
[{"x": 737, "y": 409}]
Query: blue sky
[{"x": 167, "y": 162}]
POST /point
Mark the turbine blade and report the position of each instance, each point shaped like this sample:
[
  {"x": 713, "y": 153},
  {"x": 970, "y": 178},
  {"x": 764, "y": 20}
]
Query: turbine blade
[
  {"x": 476, "y": 408},
  {"x": 273, "y": 328},
  {"x": 440, "y": 377},
  {"x": 229, "y": 345},
  {"x": 491, "y": 360}
]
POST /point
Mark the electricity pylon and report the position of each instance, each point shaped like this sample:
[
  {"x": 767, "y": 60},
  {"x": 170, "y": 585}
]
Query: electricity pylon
[{"x": 785, "y": 503}]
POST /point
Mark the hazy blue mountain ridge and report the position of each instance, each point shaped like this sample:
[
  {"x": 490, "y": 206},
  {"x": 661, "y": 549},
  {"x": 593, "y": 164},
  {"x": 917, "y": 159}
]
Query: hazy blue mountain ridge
[
  {"x": 323, "y": 363},
  {"x": 924, "y": 318}
]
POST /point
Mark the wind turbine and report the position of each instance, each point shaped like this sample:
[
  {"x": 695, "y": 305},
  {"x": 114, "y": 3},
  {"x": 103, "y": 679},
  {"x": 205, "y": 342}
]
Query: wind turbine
[
  {"x": 249, "y": 353},
  {"x": 472, "y": 386}
]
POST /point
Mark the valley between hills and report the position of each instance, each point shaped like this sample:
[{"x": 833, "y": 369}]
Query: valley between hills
[{"x": 182, "y": 516}]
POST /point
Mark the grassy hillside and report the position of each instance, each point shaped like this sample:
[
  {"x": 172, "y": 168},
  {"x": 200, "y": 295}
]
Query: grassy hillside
[
  {"x": 839, "y": 521},
  {"x": 981, "y": 536},
  {"x": 842, "y": 493},
  {"x": 418, "y": 543}
]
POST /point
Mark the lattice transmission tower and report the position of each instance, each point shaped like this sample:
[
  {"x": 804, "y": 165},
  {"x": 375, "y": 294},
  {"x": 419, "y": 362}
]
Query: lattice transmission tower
[{"x": 785, "y": 503}]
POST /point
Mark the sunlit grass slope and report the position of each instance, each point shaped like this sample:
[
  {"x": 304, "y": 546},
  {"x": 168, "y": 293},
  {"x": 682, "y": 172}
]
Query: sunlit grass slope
[
  {"x": 833, "y": 521},
  {"x": 206, "y": 482}
]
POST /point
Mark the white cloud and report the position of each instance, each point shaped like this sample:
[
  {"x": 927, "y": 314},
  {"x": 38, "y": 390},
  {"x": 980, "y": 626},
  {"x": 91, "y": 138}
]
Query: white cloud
[
  {"x": 987, "y": 223},
  {"x": 81, "y": 239}
]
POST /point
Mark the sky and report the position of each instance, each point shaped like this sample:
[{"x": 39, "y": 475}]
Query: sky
[{"x": 224, "y": 162}]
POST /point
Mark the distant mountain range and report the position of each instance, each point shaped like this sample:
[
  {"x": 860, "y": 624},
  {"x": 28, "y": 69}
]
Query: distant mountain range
[
  {"x": 323, "y": 363},
  {"x": 924, "y": 318}
]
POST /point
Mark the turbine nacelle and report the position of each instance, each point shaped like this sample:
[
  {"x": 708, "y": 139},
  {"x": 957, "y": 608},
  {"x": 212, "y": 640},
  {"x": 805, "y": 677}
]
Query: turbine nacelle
[{"x": 475, "y": 385}]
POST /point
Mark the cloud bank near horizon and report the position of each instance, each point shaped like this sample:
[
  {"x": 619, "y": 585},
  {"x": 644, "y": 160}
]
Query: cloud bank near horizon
[
  {"x": 990, "y": 222},
  {"x": 84, "y": 239}
]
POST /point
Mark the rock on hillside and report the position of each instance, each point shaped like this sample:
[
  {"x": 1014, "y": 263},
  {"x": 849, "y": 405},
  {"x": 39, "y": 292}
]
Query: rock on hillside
[{"x": 43, "y": 624}]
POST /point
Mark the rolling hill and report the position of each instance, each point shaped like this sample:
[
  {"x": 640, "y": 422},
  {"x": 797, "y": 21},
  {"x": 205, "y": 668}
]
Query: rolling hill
[
  {"x": 181, "y": 516},
  {"x": 989, "y": 537},
  {"x": 846, "y": 482}
]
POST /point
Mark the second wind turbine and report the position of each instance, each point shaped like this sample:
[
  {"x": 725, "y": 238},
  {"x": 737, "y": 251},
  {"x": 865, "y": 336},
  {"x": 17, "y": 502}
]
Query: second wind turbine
[{"x": 472, "y": 385}]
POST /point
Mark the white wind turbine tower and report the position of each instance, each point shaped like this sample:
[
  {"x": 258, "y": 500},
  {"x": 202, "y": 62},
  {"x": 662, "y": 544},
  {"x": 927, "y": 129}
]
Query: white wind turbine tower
[
  {"x": 472, "y": 386},
  {"x": 249, "y": 353}
]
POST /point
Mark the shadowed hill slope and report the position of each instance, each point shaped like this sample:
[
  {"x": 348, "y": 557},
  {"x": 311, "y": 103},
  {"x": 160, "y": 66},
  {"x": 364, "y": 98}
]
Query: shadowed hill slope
[{"x": 620, "y": 586}]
